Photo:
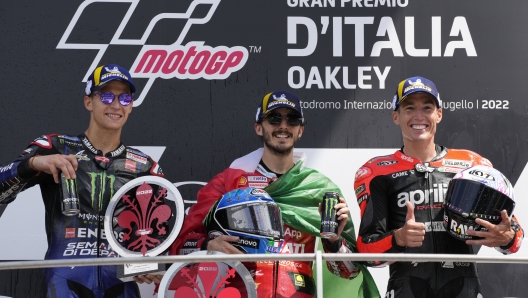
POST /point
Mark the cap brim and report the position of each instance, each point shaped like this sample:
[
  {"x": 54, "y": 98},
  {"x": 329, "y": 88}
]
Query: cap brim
[
  {"x": 416, "y": 91},
  {"x": 131, "y": 86}
]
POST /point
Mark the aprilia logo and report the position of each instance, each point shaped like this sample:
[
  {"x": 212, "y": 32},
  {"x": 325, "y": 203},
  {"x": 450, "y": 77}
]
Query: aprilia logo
[
  {"x": 417, "y": 197},
  {"x": 195, "y": 60}
]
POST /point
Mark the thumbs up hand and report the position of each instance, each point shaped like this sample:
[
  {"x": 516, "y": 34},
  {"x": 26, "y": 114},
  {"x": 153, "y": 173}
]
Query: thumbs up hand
[{"x": 412, "y": 233}]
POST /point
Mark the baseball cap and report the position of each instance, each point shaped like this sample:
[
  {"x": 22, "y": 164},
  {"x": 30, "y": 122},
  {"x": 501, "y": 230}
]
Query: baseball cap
[
  {"x": 278, "y": 99},
  {"x": 104, "y": 74},
  {"x": 413, "y": 85}
]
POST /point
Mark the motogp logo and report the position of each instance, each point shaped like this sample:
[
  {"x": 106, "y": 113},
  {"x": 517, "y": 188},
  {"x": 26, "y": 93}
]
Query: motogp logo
[{"x": 194, "y": 60}]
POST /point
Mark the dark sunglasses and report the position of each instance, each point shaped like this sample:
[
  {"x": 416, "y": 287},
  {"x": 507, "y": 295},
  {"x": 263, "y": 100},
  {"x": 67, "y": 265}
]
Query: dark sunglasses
[
  {"x": 108, "y": 97},
  {"x": 291, "y": 119}
]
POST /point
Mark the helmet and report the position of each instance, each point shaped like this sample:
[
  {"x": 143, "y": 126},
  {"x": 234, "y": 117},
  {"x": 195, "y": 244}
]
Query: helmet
[
  {"x": 476, "y": 192},
  {"x": 252, "y": 215}
]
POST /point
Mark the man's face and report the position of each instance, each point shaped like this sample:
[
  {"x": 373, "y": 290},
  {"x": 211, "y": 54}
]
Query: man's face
[
  {"x": 417, "y": 117},
  {"x": 109, "y": 116},
  {"x": 279, "y": 138}
]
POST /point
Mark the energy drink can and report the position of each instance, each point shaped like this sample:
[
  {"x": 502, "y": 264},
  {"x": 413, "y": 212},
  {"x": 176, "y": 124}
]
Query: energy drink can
[
  {"x": 70, "y": 198},
  {"x": 329, "y": 222}
]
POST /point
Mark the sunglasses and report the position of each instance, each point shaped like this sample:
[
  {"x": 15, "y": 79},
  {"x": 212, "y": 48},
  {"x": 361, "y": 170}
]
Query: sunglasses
[
  {"x": 291, "y": 119},
  {"x": 108, "y": 97}
]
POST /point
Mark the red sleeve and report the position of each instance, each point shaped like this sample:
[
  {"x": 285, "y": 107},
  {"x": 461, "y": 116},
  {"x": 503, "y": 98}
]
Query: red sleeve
[{"x": 193, "y": 230}]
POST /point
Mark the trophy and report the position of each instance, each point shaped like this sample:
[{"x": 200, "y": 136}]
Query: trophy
[
  {"x": 208, "y": 279},
  {"x": 143, "y": 219}
]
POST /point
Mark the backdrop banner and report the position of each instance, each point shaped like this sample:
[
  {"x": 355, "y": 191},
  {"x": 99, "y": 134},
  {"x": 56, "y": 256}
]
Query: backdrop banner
[{"x": 202, "y": 67}]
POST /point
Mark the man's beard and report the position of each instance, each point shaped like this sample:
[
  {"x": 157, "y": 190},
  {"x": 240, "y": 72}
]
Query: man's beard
[{"x": 278, "y": 149}]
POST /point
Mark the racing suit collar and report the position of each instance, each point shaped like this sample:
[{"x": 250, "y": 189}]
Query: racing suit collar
[
  {"x": 86, "y": 142},
  {"x": 441, "y": 151}
]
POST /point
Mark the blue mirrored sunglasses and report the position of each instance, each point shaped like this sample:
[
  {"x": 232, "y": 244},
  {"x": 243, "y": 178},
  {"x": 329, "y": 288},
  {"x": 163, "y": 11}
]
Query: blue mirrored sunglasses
[{"x": 108, "y": 97}]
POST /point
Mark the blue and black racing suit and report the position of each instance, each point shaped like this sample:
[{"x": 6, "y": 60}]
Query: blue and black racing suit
[{"x": 81, "y": 236}]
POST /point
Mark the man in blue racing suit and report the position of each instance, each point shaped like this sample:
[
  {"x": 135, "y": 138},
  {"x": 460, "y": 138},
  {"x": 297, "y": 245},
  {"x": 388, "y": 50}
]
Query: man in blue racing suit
[{"x": 101, "y": 164}]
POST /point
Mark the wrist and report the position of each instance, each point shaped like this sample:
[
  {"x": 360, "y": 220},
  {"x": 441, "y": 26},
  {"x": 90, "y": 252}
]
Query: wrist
[
  {"x": 510, "y": 241},
  {"x": 204, "y": 244},
  {"x": 398, "y": 245}
]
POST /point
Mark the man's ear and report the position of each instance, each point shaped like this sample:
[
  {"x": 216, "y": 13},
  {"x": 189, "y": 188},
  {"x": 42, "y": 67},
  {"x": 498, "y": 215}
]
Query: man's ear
[
  {"x": 439, "y": 111},
  {"x": 88, "y": 103},
  {"x": 396, "y": 117},
  {"x": 301, "y": 130},
  {"x": 258, "y": 129}
]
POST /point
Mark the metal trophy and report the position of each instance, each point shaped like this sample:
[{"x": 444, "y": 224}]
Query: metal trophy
[
  {"x": 143, "y": 219},
  {"x": 207, "y": 279}
]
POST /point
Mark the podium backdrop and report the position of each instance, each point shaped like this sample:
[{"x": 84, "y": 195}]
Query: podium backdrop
[{"x": 202, "y": 67}]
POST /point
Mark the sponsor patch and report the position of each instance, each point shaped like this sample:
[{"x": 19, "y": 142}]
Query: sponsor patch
[
  {"x": 456, "y": 163},
  {"x": 102, "y": 158},
  {"x": 379, "y": 157},
  {"x": 360, "y": 189},
  {"x": 242, "y": 181},
  {"x": 130, "y": 165},
  {"x": 258, "y": 185},
  {"x": 186, "y": 251},
  {"x": 450, "y": 170},
  {"x": 257, "y": 179},
  {"x": 75, "y": 139},
  {"x": 190, "y": 243},
  {"x": 136, "y": 157},
  {"x": 70, "y": 233},
  {"x": 407, "y": 158},
  {"x": 81, "y": 156},
  {"x": 362, "y": 198},
  {"x": 435, "y": 226},
  {"x": 6, "y": 168},
  {"x": 386, "y": 163},
  {"x": 299, "y": 280},
  {"x": 363, "y": 172}
]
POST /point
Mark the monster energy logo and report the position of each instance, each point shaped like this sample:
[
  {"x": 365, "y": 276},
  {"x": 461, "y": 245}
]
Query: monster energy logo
[
  {"x": 71, "y": 189},
  {"x": 330, "y": 202},
  {"x": 99, "y": 183}
]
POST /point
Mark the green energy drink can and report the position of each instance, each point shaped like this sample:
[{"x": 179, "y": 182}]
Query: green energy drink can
[
  {"x": 328, "y": 217},
  {"x": 70, "y": 198}
]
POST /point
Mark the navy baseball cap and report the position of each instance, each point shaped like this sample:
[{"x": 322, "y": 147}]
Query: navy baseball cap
[
  {"x": 104, "y": 74},
  {"x": 278, "y": 99},
  {"x": 413, "y": 85}
]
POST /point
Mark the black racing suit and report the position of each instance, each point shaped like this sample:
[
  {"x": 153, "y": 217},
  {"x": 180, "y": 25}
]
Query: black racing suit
[
  {"x": 382, "y": 187},
  {"x": 80, "y": 236}
]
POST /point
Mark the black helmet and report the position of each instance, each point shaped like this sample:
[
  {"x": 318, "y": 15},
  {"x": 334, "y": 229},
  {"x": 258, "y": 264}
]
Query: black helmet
[
  {"x": 476, "y": 192},
  {"x": 250, "y": 214}
]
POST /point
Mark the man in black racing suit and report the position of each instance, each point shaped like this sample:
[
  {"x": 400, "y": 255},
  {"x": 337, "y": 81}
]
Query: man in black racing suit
[
  {"x": 101, "y": 165},
  {"x": 401, "y": 201}
]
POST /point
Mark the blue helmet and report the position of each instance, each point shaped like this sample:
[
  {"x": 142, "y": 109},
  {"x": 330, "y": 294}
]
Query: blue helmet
[{"x": 250, "y": 214}]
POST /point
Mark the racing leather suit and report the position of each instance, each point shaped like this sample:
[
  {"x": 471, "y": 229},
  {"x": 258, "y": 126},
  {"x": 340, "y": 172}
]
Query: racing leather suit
[
  {"x": 274, "y": 279},
  {"x": 382, "y": 186},
  {"x": 81, "y": 236}
]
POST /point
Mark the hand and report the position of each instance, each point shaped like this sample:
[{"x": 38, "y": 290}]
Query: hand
[
  {"x": 341, "y": 216},
  {"x": 496, "y": 235},
  {"x": 222, "y": 244},
  {"x": 52, "y": 164},
  {"x": 412, "y": 233},
  {"x": 148, "y": 278}
]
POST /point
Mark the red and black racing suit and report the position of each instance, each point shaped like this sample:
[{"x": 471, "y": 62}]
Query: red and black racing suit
[
  {"x": 81, "y": 236},
  {"x": 383, "y": 185},
  {"x": 273, "y": 279}
]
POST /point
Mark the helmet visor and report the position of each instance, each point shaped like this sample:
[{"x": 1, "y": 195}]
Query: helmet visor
[
  {"x": 467, "y": 197},
  {"x": 261, "y": 218}
]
